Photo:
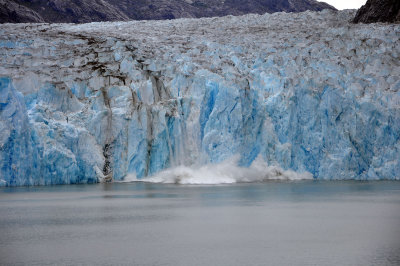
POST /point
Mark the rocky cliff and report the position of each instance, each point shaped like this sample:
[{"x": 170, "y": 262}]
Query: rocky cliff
[{"x": 379, "y": 11}]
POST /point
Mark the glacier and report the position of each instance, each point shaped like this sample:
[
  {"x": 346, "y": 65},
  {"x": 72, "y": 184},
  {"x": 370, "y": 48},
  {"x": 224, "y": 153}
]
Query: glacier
[{"x": 305, "y": 93}]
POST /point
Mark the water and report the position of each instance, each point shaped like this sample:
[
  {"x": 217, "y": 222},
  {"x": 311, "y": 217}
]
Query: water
[{"x": 271, "y": 223}]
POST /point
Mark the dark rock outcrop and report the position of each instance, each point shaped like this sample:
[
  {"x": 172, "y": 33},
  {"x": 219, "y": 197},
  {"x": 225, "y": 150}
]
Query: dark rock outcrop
[
  {"x": 379, "y": 11},
  {"x": 81, "y": 11}
]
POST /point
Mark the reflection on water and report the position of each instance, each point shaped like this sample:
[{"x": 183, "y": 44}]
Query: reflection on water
[{"x": 272, "y": 223}]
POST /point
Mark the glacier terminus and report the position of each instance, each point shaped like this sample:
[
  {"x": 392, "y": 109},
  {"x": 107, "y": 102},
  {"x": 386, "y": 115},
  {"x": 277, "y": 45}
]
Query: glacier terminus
[{"x": 307, "y": 94}]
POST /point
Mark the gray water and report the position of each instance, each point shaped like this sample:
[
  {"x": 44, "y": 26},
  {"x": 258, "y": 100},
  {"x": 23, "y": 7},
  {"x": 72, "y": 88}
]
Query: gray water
[{"x": 273, "y": 223}]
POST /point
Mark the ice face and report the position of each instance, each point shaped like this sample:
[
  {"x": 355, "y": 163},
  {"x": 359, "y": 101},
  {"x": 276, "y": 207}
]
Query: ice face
[{"x": 305, "y": 92}]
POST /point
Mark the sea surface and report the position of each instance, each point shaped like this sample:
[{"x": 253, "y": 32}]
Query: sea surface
[{"x": 270, "y": 223}]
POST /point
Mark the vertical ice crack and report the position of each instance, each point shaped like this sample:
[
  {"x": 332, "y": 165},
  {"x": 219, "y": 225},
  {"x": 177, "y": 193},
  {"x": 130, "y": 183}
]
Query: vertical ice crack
[
  {"x": 149, "y": 138},
  {"x": 107, "y": 148}
]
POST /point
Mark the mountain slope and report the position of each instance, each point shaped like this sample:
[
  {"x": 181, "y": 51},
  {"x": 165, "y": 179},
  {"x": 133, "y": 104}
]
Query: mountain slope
[
  {"x": 13, "y": 12},
  {"x": 81, "y": 11}
]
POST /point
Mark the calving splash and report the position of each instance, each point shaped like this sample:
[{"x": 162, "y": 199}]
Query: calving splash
[
  {"x": 227, "y": 172},
  {"x": 175, "y": 101}
]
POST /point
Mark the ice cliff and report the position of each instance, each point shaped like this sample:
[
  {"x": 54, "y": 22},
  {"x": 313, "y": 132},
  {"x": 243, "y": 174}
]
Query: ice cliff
[{"x": 307, "y": 92}]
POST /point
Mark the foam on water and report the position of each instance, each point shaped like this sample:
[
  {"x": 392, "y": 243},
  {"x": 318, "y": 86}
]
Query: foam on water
[
  {"x": 128, "y": 178},
  {"x": 227, "y": 172}
]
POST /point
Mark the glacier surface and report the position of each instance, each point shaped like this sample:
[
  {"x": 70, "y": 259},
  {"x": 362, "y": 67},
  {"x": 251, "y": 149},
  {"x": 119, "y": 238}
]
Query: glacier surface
[{"x": 308, "y": 93}]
